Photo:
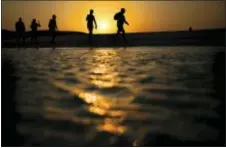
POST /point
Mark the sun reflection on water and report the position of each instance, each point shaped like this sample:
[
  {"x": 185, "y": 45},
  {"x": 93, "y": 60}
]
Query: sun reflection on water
[
  {"x": 103, "y": 75},
  {"x": 106, "y": 76},
  {"x": 103, "y": 70},
  {"x": 112, "y": 126}
]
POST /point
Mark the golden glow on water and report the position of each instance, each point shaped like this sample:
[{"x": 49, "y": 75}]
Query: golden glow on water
[
  {"x": 73, "y": 104},
  {"x": 97, "y": 110},
  {"x": 106, "y": 96},
  {"x": 112, "y": 126},
  {"x": 106, "y": 81},
  {"x": 94, "y": 99},
  {"x": 100, "y": 106},
  {"x": 104, "y": 75}
]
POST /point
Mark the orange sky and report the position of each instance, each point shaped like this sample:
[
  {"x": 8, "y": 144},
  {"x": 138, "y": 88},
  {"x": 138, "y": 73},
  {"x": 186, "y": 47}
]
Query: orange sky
[{"x": 143, "y": 16}]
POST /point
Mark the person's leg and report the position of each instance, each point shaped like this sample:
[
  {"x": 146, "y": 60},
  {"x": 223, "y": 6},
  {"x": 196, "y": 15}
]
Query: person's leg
[
  {"x": 122, "y": 31},
  {"x": 90, "y": 35},
  {"x": 35, "y": 37},
  {"x": 18, "y": 38},
  {"x": 23, "y": 36},
  {"x": 53, "y": 36},
  {"x": 52, "y": 32},
  {"x": 32, "y": 36},
  {"x": 117, "y": 35},
  {"x": 118, "y": 32},
  {"x": 124, "y": 36}
]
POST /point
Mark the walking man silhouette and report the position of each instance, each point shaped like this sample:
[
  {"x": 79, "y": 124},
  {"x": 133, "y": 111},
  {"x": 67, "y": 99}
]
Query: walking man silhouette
[
  {"x": 34, "y": 28},
  {"x": 52, "y": 28},
  {"x": 90, "y": 18},
  {"x": 20, "y": 30},
  {"x": 120, "y": 18}
]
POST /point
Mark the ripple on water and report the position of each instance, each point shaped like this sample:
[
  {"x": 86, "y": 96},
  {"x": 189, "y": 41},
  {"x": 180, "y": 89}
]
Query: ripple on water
[
  {"x": 69, "y": 74},
  {"x": 69, "y": 79},
  {"x": 147, "y": 80},
  {"x": 177, "y": 101},
  {"x": 108, "y": 92},
  {"x": 70, "y": 102},
  {"x": 117, "y": 92}
]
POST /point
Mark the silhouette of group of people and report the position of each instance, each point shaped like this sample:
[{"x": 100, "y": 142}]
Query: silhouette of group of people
[
  {"x": 119, "y": 17},
  {"x": 91, "y": 21},
  {"x": 20, "y": 29}
]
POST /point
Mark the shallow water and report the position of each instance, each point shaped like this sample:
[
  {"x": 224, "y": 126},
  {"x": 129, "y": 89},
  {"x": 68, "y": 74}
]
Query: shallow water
[{"x": 82, "y": 97}]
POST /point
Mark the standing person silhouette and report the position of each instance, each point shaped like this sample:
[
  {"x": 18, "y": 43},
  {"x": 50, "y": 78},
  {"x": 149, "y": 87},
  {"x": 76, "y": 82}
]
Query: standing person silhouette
[
  {"x": 120, "y": 18},
  {"x": 90, "y": 18},
  {"x": 52, "y": 28},
  {"x": 20, "y": 30},
  {"x": 34, "y": 28}
]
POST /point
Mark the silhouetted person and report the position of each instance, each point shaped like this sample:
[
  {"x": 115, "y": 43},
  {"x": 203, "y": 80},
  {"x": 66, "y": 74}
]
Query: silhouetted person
[
  {"x": 20, "y": 30},
  {"x": 190, "y": 29},
  {"x": 90, "y": 18},
  {"x": 34, "y": 28},
  {"x": 120, "y": 18},
  {"x": 52, "y": 28}
]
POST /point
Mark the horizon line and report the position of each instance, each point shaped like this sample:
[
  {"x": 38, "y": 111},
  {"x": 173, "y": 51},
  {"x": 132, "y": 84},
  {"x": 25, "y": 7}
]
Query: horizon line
[{"x": 75, "y": 31}]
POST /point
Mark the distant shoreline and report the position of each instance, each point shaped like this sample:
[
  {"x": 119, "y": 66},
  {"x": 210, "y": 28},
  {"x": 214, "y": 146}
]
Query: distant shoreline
[{"x": 211, "y": 37}]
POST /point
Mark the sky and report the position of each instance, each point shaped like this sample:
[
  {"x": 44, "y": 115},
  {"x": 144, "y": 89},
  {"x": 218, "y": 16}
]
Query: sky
[{"x": 143, "y": 16}]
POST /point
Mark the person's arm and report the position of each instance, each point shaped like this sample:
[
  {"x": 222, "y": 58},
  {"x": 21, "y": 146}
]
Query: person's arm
[
  {"x": 24, "y": 28},
  {"x": 16, "y": 26},
  {"x": 95, "y": 22},
  {"x": 39, "y": 25},
  {"x": 126, "y": 21},
  {"x": 56, "y": 27},
  {"x": 87, "y": 18}
]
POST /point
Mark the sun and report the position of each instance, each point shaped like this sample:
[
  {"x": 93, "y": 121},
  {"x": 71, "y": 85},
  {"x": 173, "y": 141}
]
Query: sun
[{"x": 103, "y": 26}]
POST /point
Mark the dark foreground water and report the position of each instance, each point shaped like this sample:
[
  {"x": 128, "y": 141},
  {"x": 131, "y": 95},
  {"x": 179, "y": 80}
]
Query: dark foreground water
[{"x": 116, "y": 97}]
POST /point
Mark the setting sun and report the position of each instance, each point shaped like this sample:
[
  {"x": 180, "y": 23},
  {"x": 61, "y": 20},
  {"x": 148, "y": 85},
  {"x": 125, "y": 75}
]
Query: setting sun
[
  {"x": 103, "y": 26},
  {"x": 152, "y": 15}
]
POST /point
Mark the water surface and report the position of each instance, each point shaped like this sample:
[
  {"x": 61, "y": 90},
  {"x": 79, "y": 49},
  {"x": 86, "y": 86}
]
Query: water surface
[{"x": 100, "y": 97}]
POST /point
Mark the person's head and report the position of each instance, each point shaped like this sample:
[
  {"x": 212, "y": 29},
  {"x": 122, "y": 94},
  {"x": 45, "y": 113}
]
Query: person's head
[
  {"x": 20, "y": 19},
  {"x": 54, "y": 16},
  {"x": 34, "y": 20},
  {"x": 123, "y": 10},
  {"x": 91, "y": 11}
]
